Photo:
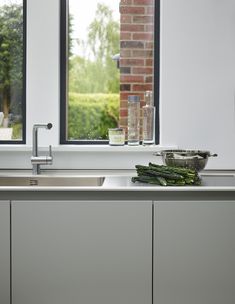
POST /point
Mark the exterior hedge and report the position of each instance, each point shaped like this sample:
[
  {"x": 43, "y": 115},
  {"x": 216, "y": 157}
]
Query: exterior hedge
[{"x": 91, "y": 115}]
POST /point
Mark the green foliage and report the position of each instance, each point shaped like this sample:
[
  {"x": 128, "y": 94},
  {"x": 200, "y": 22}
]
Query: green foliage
[
  {"x": 11, "y": 52},
  {"x": 70, "y": 40},
  {"x": 17, "y": 131},
  {"x": 91, "y": 115},
  {"x": 103, "y": 34},
  {"x": 96, "y": 72},
  {"x": 93, "y": 107}
]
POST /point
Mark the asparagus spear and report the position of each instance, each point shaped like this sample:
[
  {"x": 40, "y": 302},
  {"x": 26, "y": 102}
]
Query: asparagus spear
[
  {"x": 166, "y": 175},
  {"x": 182, "y": 171},
  {"x": 157, "y": 172}
]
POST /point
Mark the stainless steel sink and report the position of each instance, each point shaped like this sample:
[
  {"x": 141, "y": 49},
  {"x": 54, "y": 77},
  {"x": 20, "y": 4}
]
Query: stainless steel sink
[{"x": 52, "y": 181}]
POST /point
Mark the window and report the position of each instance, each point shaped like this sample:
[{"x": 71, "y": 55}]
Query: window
[
  {"x": 109, "y": 50},
  {"x": 12, "y": 71}
]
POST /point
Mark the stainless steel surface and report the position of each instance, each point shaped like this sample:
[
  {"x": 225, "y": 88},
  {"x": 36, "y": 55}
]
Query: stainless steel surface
[
  {"x": 37, "y": 160},
  {"x": 217, "y": 180},
  {"x": 193, "y": 159},
  {"x": 207, "y": 180},
  {"x": 107, "y": 179},
  {"x": 51, "y": 181}
]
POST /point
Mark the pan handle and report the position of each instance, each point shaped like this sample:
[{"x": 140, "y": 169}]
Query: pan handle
[
  {"x": 213, "y": 155},
  {"x": 159, "y": 153}
]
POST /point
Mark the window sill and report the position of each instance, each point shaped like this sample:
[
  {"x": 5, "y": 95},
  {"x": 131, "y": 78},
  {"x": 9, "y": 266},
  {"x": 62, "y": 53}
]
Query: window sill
[
  {"x": 107, "y": 148},
  {"x": 89, "y": 148}
]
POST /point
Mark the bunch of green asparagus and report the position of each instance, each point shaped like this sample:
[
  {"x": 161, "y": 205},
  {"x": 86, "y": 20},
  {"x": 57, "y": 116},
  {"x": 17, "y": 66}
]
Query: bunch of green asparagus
[{"x": 166, "y": 175}]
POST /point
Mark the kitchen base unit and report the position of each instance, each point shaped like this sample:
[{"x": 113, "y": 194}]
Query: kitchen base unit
[
  {"x": 81, "y": 252},
  {"x": 194, "y": 252},
  {"x": 4, "y": 252}
]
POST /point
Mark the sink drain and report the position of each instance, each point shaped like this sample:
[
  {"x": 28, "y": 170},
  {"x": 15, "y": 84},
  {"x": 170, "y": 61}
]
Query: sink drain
[{"x": 33, "y": 182}]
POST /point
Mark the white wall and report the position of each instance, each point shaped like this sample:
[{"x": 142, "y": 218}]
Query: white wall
[
  {"x": 43, "y": 68},
  {"x": 197, "y": 85},
  {"x": 198, "y": 77}
]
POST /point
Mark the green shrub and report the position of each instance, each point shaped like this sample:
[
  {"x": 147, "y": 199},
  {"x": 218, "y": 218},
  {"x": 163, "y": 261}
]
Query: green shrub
[
  {"x": 17, "y": 131},
  {"x": 91, "y": 115}
]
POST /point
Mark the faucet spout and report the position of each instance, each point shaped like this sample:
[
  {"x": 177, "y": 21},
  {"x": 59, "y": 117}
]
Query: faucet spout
[{"x": 37, "y": 160}]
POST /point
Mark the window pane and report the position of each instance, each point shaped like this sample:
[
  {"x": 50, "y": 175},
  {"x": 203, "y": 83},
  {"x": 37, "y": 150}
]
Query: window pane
[
  {"x": 11, "y": 70},
  {"x": 137, "y": 45},
  {"x": 93, "y": 74},
  {"x": 110, "y": 55}
]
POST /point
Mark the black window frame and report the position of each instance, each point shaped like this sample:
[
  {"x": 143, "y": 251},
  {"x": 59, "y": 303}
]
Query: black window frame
[
  {"x": 23, "y": 140},
  {"x": 64, "y": 13}
]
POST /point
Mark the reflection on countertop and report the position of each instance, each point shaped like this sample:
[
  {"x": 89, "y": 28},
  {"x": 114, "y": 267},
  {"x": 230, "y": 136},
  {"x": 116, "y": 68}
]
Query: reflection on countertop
[{"x": 112, "y": 180}]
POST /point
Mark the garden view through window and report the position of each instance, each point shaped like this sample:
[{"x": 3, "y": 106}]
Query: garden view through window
[
  {"x": 107, "y": 54},
  {"x": 12, "y": 97}
]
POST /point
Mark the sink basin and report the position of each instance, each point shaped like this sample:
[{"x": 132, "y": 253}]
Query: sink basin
[{"x": 52, "y": 181}]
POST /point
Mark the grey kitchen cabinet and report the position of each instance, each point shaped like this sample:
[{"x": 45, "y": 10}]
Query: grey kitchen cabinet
[
  {"x": 194, "y": 252},
  {"x": 81, "y": 252},
  {"x": 4, "y": 252}
]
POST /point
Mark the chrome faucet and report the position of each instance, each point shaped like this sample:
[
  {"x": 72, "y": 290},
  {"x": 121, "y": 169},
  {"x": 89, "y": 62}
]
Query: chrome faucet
[{"x": 37, "y": 160}]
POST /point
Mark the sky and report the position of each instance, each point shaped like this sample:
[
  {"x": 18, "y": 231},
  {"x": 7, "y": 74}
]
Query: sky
[
  {"x": 84, "y": 12},
  {"x": 10, "y": 1}
]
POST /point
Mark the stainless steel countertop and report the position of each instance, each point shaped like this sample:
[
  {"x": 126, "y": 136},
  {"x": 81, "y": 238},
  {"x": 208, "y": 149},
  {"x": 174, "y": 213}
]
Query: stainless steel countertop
[{"x": 120, "y": 180}]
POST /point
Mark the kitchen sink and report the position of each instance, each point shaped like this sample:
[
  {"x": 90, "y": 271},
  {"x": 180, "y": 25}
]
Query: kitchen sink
[{"x": 51, "y": 181}]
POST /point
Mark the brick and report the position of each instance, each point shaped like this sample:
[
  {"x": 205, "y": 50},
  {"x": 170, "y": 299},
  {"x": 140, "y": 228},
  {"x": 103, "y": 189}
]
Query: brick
[
  {"x": 124, "y": 96},
  {"x": 125, "y": 19},
  {"x": 149, "y": 28},
  {"x": 143, "y": 36},
  {"x": 122, "y": 119},
  {"x": 125, "y": 53},
  {"x": 133, "y": 10},
  {"x": 143, "y": 19},
  {"x": 149, "y": 79},
  {"x": 123, "y": 112},
  {"x": 149, "y": 62},
  {"x": 132, "y": 28},
  {"x": 143, "y": 2},
  {"x": 143, "y": 71},
  {"x": 142, "y": 103},
  {"x": 125, "y": 2},
  {"x": 149, "y": 45},
  {"x": 132, "y": 44},
  {"x": 131, "y": 62},
  {"x": 142, "y": 53},
  {"x": 150, "y": 10},
  {"x": 125, "y": 87},
  {"x": 123, "y": 104},
  {"x": 131, "y": 79},
  {"x": 123, "y": 122},
  {"x": 142, "y": 98},
  {"x": 141, "y": 87},
  {"x": 125, "y": 36},
  {"x": 125, "y": 70}
]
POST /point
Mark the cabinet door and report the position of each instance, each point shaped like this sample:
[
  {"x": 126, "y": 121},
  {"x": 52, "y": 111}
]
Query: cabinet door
[
  {"x": 81, "y": 252},
  {"x": 194, "y": 253},
  {"x": 4, "y": 252}
]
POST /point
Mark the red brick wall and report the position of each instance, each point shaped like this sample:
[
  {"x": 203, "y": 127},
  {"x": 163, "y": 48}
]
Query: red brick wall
[{"x": 136, "y": 51}]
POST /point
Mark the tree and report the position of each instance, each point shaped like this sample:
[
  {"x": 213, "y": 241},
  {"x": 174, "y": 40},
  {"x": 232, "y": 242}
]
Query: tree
[
  {"x": 70, "y": 31},
  {"x": 11, "y": 53},
  {"x": 103, "y": 34},
  {"x": 104, "y": 42},
  {"x": 96, "y": 72}
]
